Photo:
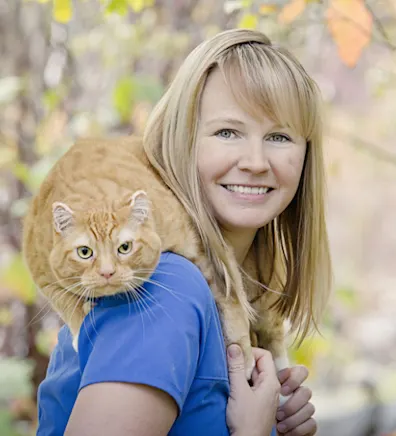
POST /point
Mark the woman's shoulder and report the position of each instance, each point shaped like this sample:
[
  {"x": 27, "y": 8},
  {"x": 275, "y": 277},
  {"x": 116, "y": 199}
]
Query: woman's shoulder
[
  {"x": 182, "y": 270},
  {"x": 176, "y": 294},
  {"x": 175, "y": 282}
]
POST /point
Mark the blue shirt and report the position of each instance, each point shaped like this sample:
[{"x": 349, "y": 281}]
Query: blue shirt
[{"x": 170, "y": 339}]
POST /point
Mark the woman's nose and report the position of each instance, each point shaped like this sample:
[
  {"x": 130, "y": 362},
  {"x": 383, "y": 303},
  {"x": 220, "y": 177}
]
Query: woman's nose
[{"x": 254, "y": 158}]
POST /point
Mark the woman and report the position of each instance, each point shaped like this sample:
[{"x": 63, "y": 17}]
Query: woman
[{"x": 237, "y": 137}]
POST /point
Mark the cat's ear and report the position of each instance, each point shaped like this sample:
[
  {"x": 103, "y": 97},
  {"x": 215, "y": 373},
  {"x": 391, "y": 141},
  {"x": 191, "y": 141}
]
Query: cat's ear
[
  {"x": 63, "y": 217},
  {"x": 140, "y": 206}
]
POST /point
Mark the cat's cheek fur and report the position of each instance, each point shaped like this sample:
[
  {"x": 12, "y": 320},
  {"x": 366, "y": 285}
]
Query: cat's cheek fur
[{"x": 64, "y": 267}]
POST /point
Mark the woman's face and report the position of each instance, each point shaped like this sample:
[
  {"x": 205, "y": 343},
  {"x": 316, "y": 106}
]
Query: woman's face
[{"x": 249, "y": 169}]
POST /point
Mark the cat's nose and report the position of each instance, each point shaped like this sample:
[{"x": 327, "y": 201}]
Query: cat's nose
[{"x": 107, "y": 274}]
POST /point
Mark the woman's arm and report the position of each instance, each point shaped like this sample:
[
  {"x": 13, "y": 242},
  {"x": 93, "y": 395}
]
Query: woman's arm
[{"x": 121, "y": 409}]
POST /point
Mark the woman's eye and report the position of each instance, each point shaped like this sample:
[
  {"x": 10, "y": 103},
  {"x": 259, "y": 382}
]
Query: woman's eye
[
  {"x": 84, "y": 252},
  {"x": 279, "y": 137},
  {"x": 125, "y": 248},
  {"x": 225, "y": 133}
]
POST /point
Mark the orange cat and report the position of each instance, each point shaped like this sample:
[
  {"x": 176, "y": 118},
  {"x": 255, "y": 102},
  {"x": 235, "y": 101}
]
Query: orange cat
[{"x": 97, "y": 227}]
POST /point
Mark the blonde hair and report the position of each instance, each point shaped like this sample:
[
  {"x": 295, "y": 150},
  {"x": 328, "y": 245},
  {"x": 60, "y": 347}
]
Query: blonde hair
[{"x": 293, "y": 252}]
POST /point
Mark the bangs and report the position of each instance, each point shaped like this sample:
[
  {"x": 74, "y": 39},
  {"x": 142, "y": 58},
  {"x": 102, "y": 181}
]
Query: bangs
[{"x": 272, "y": 83}]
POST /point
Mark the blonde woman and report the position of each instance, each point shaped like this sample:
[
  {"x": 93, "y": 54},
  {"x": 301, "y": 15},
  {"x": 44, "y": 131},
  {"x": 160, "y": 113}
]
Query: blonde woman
[{"x": 237, "y": 137}]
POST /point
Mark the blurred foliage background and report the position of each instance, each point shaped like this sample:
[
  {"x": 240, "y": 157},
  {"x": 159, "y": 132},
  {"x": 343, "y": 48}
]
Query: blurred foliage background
[{"x": 97, "y": 67}]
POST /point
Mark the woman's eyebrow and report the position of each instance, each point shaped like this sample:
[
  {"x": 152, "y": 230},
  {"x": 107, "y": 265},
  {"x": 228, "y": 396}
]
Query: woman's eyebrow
[{"x": 226, "y": 120}]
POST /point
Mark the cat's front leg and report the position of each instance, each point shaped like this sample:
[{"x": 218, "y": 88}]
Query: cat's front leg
[
  {"x": 236, "y": 329},
  {"x": 270, "y": 333},
  {"x": 70, "y": 307}
]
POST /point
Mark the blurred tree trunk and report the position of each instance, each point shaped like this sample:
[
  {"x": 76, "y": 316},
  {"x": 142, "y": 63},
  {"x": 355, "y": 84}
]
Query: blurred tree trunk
[{"x": 24, "y": 47}]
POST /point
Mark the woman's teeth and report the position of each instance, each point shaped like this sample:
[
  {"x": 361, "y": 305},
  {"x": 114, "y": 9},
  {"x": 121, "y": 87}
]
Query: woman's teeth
[{"x": 247, "y": 189}]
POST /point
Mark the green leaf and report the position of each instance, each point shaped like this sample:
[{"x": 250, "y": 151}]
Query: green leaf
[
  {"x": 51, "y": 98},
  {"x": 248, "y": 21},
  {"x": 16, "y": 277},
  {"x": 123, "y": 97},
  {"x": 348, "y": 297},
  {"x": 62, "y": 10},
  {"x": 117, "y": 6},
  {"x": 138, "y": 5},
  {"x": 147, "y": 89},
  {"x": 21, "y": 172}
]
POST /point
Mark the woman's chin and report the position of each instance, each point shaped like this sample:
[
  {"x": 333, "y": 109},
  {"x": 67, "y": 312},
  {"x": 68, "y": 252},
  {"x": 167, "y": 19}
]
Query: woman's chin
[{"x": 244, "y": 223}]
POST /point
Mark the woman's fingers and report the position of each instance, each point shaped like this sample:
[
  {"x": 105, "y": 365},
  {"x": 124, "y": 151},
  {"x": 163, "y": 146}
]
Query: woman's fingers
[
  {"x": 297, "y": 401},
  {"x": 292, "y": 378},
  {"x": 299, "y": 424}
]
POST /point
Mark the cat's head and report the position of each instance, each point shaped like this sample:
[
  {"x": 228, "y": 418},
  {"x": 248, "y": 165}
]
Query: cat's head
[{"x": 109, "y": 249}]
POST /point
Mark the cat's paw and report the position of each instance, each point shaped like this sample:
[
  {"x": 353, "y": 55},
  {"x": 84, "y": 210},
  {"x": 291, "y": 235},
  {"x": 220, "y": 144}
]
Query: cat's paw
[
  {"x": 282, "y": 362},
  {"x": 247, "y": 350},
  {"x": 283, "y": 399},
  {"x": 75, "y": 343}
]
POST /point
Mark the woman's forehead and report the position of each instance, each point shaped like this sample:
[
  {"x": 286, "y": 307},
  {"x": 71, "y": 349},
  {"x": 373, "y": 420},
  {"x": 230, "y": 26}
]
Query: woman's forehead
[{"x": 229, "y": 101}]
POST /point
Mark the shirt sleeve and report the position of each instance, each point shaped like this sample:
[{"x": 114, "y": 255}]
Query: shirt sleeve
[{"x": 154, "y": 339}]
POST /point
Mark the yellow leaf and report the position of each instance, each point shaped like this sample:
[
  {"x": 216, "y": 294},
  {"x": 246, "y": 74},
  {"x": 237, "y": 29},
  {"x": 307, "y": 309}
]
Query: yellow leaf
[
  {"x": 267, "y": 9},
  {"x": 62, "y": 10},
  {"x": 291, "y": 11},
  {"x": 21, "y": 172},
  {"x": 245, "y": 4},
  {"x": 16, "y": 278},
  {"x": 350, "y": 24},
  {"x": 248, "y": 21},
  {"x": 138, "y": 5}
]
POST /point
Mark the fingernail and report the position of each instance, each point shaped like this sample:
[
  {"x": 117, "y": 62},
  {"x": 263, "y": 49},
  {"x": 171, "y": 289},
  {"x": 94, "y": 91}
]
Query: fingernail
[
  {"x": 234, "y": 351},
  {"x": 285, "y": 390},
  {"x": 281, "y": 427},
  {"x": 280, "y": 415}
]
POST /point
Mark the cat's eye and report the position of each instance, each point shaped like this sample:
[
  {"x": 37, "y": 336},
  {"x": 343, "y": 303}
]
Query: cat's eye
[
  {"x": 125, "y": 248},
  {"x": 84, "y": 252}
]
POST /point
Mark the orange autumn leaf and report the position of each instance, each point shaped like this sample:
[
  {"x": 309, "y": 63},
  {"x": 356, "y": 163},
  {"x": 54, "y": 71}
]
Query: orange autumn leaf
[
  {"x": 267, "y": 9},
  {"x": 350, "y": 25},
  {"x": 291, "y": 11}
]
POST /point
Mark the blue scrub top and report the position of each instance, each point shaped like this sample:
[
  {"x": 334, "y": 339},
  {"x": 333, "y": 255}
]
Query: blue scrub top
[{"x": 171, "y": 340}]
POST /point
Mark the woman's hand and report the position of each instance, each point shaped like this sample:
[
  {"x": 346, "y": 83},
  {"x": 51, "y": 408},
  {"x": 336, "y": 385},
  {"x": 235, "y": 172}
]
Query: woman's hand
[
  {"x": 295, "y": 416},
  {"x": 251, "y": 409}
]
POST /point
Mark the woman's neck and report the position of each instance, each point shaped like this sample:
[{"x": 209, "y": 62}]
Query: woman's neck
[{"x": 240, "y": 242}]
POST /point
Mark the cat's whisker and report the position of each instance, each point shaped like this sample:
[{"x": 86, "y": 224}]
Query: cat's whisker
[
  {"x": 61, "y": 280},
  {"x": 37, "y": 317},
  {"x": 79, "y": 301},
  {"x": 91, "y": 314},
  {"x": 157, "y": 270},
  {"x": 145, "y": 305},
  {"x": 129, "y": 293},
  {"x": 151, "y": 298},
  {"x": 134, "y": 289},
  {"x": 156, "y": 283},
  {"x": 140, "y": 308}
]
